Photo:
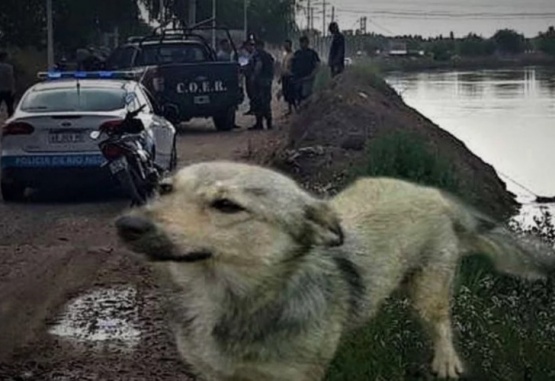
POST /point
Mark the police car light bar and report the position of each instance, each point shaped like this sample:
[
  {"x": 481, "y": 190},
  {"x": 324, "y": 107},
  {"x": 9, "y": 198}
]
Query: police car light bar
[{"x": 53, "y": 75}]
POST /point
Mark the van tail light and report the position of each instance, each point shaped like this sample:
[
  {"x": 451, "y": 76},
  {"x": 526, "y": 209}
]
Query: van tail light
[
  {"x": 112, "y": 151},
  {"x": 17, "y": 128}
]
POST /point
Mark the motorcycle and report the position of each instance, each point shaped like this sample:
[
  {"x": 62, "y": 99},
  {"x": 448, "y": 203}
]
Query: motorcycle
[{"x": 130, "y": 157}]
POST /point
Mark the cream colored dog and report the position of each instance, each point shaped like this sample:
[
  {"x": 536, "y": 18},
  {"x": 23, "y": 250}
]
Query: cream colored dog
[{"x": 262, "y": 279}]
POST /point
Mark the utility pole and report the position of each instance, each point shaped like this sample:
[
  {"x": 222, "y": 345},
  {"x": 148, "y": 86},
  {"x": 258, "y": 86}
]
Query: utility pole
[
  {"x": 50, "y": 34},
  {"x": 246, "y": 19},
  {"x": 363, "y": 25},
  {"x": 192, "y": 12},
  {"x": 332, "y": 14},
  {"x": 214, "y": 24},
  {"x": 308, "y": 14},
  {"x": 324, "y": 19}
]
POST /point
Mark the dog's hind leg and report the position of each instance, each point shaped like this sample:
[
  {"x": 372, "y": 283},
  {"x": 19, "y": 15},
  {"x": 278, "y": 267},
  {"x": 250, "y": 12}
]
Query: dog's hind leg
[{"x": 430, "y": 290}]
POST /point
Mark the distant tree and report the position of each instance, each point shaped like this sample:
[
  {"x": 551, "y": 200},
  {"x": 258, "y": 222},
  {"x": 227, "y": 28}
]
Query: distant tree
[
  {"x": 442, "y": 49},
  {"x": 21, "y": 22},
  {"x": 413, "y": 44},
  {"x": 76, "y": 23},
  {"x": 509, "y": 41},
  {"x": 271, "y": 20},
  {"x": 475, "y": 46},
  {"x": 546, "y": 41},
  {"x": 371, "y": 47}
]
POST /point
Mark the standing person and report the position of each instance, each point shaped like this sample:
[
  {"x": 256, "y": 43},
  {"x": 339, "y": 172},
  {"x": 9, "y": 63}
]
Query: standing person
[
  {"x": 225, "y": 52},
  {"x": 262, "y": 78},
  {"x": 248, "y": 69},
  {"x": 305, "y": 65},
  {"x": 7, "y": 83},
  {"x": 286, "y": 79},
  {"x": 336, "y": 60}
]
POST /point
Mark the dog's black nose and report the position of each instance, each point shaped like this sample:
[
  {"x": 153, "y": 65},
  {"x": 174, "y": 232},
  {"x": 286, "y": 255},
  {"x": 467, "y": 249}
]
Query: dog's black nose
[{"x": 132, "y": 228}]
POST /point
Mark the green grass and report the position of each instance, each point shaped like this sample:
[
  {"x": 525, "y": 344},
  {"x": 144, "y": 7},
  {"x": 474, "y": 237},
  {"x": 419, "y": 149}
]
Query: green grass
[
  {"x": 406, "y": 155},
  {"x": 504, "y": 326},
  {"x": 322, "y": 80}
]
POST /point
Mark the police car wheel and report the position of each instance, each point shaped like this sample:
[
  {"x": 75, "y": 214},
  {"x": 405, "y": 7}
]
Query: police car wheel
[
  {"x": 12, "y": 191},
  {"x": 173, "y": 160}
]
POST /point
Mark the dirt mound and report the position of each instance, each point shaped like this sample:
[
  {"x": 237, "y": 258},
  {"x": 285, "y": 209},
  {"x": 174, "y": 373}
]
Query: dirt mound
[{"x": 331, "y": 134}]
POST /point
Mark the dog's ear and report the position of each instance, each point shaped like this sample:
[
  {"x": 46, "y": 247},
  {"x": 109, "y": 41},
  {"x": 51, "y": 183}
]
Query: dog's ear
[{"x": 323, "y": 225}]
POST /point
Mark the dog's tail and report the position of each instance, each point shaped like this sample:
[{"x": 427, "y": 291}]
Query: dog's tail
[{"x": 516, "y": 254}]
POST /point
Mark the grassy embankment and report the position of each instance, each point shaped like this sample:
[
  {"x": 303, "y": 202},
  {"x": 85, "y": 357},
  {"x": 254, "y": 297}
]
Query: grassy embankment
[{"x": 504, "y": 326}]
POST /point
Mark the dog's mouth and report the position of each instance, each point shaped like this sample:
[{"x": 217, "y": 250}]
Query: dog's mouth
[
  {"x": 142, "y": 236},
  {"x": 193, "y": 257}
]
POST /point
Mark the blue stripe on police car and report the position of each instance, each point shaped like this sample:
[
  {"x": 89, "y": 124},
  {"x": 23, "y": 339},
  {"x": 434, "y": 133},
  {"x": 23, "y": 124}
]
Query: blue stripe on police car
[{"x": 50, "y": 161}]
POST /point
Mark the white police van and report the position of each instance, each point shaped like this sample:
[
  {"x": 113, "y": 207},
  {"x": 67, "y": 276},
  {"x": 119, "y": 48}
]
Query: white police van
[{"x": 47, "y": 141}]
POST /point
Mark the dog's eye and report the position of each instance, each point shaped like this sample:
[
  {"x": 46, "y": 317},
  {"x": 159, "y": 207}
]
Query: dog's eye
[
  {"x": 165, "y": 188},
  {"x": 226, "y": 206}
]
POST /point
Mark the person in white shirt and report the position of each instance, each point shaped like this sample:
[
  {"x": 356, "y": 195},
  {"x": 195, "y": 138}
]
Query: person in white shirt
[{"x": 225, "y": 52}]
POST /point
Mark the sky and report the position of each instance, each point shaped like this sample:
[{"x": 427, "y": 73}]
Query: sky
[{"x": 434, "y": 17}]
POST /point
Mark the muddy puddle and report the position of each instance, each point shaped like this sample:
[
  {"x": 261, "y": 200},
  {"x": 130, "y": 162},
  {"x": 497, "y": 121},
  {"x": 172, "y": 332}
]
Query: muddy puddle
[{"x": 105, "y": 318}]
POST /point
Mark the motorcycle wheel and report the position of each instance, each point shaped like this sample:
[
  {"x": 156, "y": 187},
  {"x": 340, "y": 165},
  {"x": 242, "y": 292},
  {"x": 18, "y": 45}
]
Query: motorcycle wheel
[{"x": 127, "y": 180}]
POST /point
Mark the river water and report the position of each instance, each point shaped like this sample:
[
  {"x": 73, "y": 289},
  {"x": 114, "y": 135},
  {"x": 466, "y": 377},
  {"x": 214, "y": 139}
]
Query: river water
[{"x": 507, "y": 117}]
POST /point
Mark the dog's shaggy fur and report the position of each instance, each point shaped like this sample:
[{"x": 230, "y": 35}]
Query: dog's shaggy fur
[{"x": 262, "y": 279}]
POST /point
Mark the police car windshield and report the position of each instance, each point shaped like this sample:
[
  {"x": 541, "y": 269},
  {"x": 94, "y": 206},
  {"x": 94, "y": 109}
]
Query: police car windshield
[
  {"x": 165, "y": 54},
  {"x": 72, "y": 99}
]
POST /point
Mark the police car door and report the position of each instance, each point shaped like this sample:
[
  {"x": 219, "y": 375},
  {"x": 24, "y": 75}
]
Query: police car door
[{"x": 162, "y": 131}]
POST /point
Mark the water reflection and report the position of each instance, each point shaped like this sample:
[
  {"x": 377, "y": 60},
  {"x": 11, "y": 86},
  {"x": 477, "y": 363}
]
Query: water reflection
[
  {"x": 469, "y": 84},
  {"x": 507, "y": 117}
]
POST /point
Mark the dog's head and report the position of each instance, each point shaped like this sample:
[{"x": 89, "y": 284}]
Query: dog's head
[{"x": 231, "y": 213}]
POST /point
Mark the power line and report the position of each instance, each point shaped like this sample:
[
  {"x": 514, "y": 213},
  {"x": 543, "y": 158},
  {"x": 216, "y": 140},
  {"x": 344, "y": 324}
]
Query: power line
[
  {"x": 443, "y": 14},
  {"x": 381, "y": 27},
  {"x": 465, "y": 5}
]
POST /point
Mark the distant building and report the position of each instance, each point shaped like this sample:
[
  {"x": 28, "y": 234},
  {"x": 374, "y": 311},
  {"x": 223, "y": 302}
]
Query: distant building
[{"x": 397, "y": 49}]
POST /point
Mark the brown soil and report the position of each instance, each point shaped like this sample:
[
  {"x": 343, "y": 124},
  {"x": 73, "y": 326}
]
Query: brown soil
[{"x": 330, "y": 136}]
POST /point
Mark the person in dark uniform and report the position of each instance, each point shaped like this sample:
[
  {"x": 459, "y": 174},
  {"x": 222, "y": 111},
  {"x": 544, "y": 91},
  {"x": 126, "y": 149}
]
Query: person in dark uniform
[
  {"x": 304, "y": 68},
  {"x": 7, "y": 83},
  {"x": 262, "y": 78},
  {"x": 248, "y": 69},
  {"x": 336, "y": 59}
]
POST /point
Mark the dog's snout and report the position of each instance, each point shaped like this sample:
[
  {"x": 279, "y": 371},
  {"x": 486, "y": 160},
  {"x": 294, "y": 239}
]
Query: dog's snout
[{"x": 132, "y": 228}]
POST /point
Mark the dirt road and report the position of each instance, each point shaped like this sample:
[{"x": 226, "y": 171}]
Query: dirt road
[{"x": 73, "y": 304}]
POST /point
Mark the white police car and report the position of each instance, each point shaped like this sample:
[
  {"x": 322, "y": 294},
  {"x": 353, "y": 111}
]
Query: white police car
[{"x": 47, "y": 141}]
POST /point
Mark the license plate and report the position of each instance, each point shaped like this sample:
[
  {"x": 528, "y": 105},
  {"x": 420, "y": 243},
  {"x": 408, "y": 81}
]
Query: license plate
[
  {"x": 118, "y": 165},
  {"x": 201, "y": 100},
  {"x": 65, "y": 137}
]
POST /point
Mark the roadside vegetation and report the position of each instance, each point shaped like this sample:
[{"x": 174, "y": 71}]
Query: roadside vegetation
[{"x": 504, "y": 326}]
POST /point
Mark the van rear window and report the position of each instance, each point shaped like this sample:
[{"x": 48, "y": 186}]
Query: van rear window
[
  {"x": 166, "y": 54},
  {"x": 69, "y": 99}
]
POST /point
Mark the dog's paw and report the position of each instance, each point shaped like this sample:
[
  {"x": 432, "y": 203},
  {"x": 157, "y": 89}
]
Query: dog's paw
[{"x": 447, "y": 365}]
